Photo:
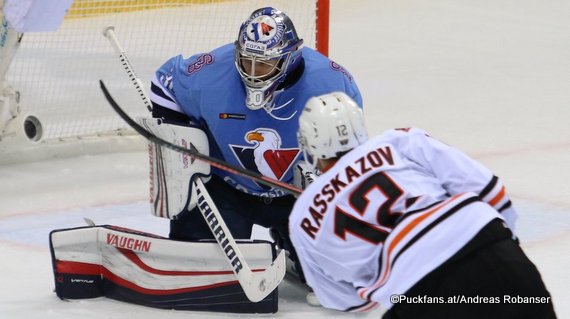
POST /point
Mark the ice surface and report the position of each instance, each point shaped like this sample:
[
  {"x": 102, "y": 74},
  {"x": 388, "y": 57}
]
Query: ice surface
[{"x": 490, "y": 77}]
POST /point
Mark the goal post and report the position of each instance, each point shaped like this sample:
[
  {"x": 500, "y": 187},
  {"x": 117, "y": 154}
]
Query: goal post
[{"x": 54, "y": 75}]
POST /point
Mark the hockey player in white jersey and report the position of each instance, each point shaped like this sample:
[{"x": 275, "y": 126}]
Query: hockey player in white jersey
[{"x": 407, "y": 222}]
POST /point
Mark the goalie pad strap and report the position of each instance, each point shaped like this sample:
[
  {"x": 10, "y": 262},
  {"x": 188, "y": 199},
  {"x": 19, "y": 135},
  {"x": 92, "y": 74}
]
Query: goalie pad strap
[{"x": 150, "y": 270}]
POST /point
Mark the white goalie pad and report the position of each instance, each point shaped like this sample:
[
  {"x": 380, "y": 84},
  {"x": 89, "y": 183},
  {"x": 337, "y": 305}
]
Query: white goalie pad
[
  {"x": 171, "y": 172},
  {"x": 142, "y": 268},
  {"x": 35, "y": 15}
]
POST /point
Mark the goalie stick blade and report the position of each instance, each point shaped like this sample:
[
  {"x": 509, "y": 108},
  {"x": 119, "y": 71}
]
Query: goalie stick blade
[
  {"x": 210, "y": 160},
  {"x": 257, "y": 285}
]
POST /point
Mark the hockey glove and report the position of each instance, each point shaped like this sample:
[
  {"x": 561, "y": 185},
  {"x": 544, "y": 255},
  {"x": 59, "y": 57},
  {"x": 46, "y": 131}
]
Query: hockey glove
[{"x": 304, "y": 174}]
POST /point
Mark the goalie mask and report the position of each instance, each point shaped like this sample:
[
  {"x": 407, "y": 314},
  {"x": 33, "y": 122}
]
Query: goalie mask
[
  {"x": 330, "y": 125},
  {"x": 267, "y": 49}
]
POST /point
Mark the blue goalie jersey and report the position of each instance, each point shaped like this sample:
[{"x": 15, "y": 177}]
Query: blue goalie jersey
[{"x": 208, "y": 89}]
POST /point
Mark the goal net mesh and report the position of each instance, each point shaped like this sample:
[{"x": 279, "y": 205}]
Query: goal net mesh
[{"x": 57, "y": 73}]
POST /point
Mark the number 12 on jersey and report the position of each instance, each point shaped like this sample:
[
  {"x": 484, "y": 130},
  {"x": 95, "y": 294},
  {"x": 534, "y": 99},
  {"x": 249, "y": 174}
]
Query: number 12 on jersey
[{"x": 359, "y": 199}]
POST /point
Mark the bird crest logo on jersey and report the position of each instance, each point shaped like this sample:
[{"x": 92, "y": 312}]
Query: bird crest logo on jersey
[{"x": 266, "y": 155}]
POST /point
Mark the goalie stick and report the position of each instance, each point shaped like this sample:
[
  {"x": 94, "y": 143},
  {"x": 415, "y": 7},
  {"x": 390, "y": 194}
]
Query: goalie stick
[
  {"x": 109, "y": 33},
  {"x": 255, "y": 285}
]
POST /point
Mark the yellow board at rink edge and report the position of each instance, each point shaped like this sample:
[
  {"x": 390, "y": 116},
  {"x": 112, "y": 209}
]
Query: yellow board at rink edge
[{"x": 87, "y": 8}]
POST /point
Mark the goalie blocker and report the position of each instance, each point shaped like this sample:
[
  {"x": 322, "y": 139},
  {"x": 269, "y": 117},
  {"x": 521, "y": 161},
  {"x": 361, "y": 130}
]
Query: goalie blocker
[{"x": 145, "y": 269}]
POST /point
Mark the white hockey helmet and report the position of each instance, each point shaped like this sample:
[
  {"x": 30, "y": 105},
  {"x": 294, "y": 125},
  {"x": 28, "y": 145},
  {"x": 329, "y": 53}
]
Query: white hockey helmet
[
  {"x": 330, "y": 125},
  {"x": 266, "y": 50}
]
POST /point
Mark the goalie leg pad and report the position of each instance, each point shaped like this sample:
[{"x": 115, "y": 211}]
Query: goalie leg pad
[{"x": 149, "y": 270}]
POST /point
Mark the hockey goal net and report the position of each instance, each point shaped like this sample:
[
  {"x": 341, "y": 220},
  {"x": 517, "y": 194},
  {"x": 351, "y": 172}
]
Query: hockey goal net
[{"x": 60, "y": 108}]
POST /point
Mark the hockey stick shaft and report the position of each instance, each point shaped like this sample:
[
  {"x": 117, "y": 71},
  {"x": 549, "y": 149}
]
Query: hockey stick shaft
[
  {"x": 197, "y": 155},
  {"x": 255, "y": 285},
  {"x": 109, "y": 33}
]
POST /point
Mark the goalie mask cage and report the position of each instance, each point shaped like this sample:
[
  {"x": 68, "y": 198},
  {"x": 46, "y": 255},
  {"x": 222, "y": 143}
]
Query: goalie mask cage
[{"x": 60, "y": 110}]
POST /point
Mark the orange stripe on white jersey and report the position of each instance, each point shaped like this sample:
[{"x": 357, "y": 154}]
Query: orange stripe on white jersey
[
  {"x": 498, "y": 197},
  {"x": 397, "y": 238},
  {"x": 494, "y": 193}
]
